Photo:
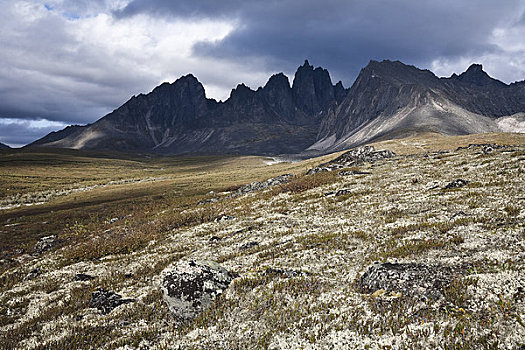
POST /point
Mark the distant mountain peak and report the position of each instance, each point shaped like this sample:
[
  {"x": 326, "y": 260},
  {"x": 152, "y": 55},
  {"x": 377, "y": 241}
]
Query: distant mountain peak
[
  {"x": 477, "y": 76},
  {"x": 387, "y": 99},
  {"x": 278, "y": 80}
]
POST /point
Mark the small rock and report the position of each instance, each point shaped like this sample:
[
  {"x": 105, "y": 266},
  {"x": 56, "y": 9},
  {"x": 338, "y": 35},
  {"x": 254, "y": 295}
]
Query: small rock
[
  {"x": 459, "y": 213},
  {"x": 343, "y": 192},
  {"x": 205, "y": 201},
  {"x": 105, "y": 301},
  {"x": 45, "y": 243},
  {"x": 214, "y": 239},
  {"x": 284, "y": 273},
  {"x": 83, "y": 277},
  {"x": 190, "y": 287},
  {"x": 456, "y": 184},
  {"x": 249, "y": 245},
  {"x": 353, "y": 172},
  {"x": 225, "y": 218},
  {"x": 32, "y": 274}
]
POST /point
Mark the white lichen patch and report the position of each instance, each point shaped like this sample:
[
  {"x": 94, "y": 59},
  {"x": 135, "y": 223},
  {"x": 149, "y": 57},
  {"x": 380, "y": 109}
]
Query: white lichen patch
[{"x": 299, "y": 256}]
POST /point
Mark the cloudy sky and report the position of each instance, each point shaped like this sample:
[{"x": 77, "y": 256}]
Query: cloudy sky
[{"x": 68, "y": 62}]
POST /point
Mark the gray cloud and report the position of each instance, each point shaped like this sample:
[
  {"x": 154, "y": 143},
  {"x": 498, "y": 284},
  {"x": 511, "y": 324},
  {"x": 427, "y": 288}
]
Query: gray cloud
[
  {"x": 17, "y": 133},
  {"x": 73, "y": 61},
  {"x": 343, "y": 35}
]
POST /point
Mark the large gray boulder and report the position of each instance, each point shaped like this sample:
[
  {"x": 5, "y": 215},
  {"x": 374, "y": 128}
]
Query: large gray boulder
[
  {"x": 190, "y": 287},
  {"x": 410, "y": 279}
]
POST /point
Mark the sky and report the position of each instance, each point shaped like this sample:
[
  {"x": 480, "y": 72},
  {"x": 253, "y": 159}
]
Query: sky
[{"x": 65, "y": 62}]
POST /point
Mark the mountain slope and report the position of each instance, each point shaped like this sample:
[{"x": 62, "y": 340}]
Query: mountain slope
[
  {"x": 390, "y": 99},
  {"x": 178, "y": 118},
  {"x": 311, "y": 116},
  {"x": 4, "y": 146}
]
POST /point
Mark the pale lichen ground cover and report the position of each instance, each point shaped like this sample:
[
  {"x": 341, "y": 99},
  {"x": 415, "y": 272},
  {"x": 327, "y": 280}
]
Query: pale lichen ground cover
[{"x": 398, "y": 213}]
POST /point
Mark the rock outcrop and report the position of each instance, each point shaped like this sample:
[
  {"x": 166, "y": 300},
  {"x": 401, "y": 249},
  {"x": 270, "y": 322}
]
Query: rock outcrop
[
  {"x": 105, "y": 301},
  {"x": 354, "y": 157},
  {"x": 45, "y": 243},
  {"x": 190, "y": 287},
  {"x": 409, "y": 279}
]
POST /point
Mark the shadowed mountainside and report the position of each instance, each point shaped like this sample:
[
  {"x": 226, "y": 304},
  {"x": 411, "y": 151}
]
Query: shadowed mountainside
[
  {"x": 178, "y": 118},
  {"x": 390, "y": 100},
  {"x": 312, "y": 116}
]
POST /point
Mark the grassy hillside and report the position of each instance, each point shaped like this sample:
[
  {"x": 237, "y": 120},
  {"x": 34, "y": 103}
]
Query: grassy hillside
[{"x": 124, "y": 219}]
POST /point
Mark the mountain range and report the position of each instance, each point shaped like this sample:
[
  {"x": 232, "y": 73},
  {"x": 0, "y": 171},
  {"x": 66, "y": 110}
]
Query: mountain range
[{"x": 311, "y": 116}]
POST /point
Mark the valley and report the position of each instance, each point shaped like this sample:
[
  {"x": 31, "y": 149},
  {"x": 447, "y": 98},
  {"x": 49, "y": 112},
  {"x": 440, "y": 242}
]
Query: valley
[{"x": 424, "y": 249}]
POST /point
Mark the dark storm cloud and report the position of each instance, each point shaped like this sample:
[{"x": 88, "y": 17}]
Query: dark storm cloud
[
  {"x": 343, "y": 35},
  {"x": 17, "y": 133}
]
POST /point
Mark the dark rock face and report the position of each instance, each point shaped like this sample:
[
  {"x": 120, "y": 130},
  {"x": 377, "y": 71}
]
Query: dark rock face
[
  {"x": 178, "y": 118},
  {"x": 410, "y": 279},
  {"x": 352, "y": 158},
  {"x": 312, "y": 116},
  {"x": 391, "y": 100},
  {"x": 4, "y": 146},
  {"x": 476, "y": 76},
  {"x": 105, "y": 301},
  {"x": 191, "y": 286}
]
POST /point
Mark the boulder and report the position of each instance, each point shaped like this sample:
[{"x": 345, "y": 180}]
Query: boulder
[
  {"x": 45, "y": 243},
  {"x": 83, "y": 277},
  {"x": 456, "y": 184},
  {"x": 190, "y": 287},
  {"x": 410, "y": 279},
  {"x": 105, "y": 301}
]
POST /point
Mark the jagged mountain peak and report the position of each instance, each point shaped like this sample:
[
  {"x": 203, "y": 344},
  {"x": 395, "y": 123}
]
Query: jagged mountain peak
[
  {"x": 477, "y": 76},
  {"x": 241, "y": 91},
  {"x": 396, "y": 72},
  {"x": 277, "y": 81},
  {"x": 388, "y": 98}
]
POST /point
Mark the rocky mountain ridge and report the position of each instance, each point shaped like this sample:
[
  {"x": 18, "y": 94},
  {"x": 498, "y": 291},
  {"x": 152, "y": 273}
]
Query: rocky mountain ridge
[
  {"x": 311, "y": 116},
  {"x": 390, "y": 99},
  {"x": 178, "y": 118}
]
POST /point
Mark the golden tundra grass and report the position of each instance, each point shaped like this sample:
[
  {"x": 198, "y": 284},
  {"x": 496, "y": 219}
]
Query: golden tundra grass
[{"x": 399, "y": 212}]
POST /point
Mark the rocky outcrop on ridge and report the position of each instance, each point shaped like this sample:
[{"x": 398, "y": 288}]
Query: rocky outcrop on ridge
[{"x": 354, "y": 157}]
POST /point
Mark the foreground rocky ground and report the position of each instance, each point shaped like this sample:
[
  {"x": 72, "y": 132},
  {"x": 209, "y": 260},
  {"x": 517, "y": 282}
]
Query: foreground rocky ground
[{"x": 394, "y": 252}]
